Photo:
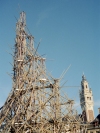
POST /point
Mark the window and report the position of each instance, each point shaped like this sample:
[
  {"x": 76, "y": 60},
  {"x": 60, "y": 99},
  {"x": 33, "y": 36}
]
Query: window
[{"x": 88, "y": 98}]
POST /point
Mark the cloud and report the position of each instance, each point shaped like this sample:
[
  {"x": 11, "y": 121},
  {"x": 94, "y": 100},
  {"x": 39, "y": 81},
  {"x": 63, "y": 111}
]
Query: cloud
[
  {"x": 42, "y": 16},
  {"x": 45, "y": 14}
]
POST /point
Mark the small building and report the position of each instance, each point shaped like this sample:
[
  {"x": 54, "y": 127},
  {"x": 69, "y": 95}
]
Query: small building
[{"x": 94, "y": 126}]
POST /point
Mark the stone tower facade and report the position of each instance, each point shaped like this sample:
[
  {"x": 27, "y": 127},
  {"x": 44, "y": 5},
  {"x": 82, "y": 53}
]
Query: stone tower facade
[{"x": 86, "y": 101}]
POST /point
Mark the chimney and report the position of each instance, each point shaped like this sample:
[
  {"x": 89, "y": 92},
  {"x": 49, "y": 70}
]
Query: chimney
[{"x": 99, "y": 110}]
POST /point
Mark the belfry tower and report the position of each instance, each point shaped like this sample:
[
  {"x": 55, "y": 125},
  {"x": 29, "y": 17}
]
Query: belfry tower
[{"x": 86, "y": 101}]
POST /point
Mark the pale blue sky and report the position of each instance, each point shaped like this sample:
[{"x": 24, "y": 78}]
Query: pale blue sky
[{"x": 69, "y": 31}]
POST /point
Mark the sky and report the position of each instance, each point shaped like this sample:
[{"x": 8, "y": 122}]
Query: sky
[{"x": 68, "y": 32}]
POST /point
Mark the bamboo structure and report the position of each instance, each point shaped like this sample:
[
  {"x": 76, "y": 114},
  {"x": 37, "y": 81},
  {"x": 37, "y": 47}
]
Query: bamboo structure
[{"x": 35, "y": 104}]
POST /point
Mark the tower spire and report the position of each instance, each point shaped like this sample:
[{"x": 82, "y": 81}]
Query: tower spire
[{"x": 86, "y": 100}]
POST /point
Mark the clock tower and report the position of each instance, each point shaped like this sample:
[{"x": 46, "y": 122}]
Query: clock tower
[{"x": 86, "y": 101}]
